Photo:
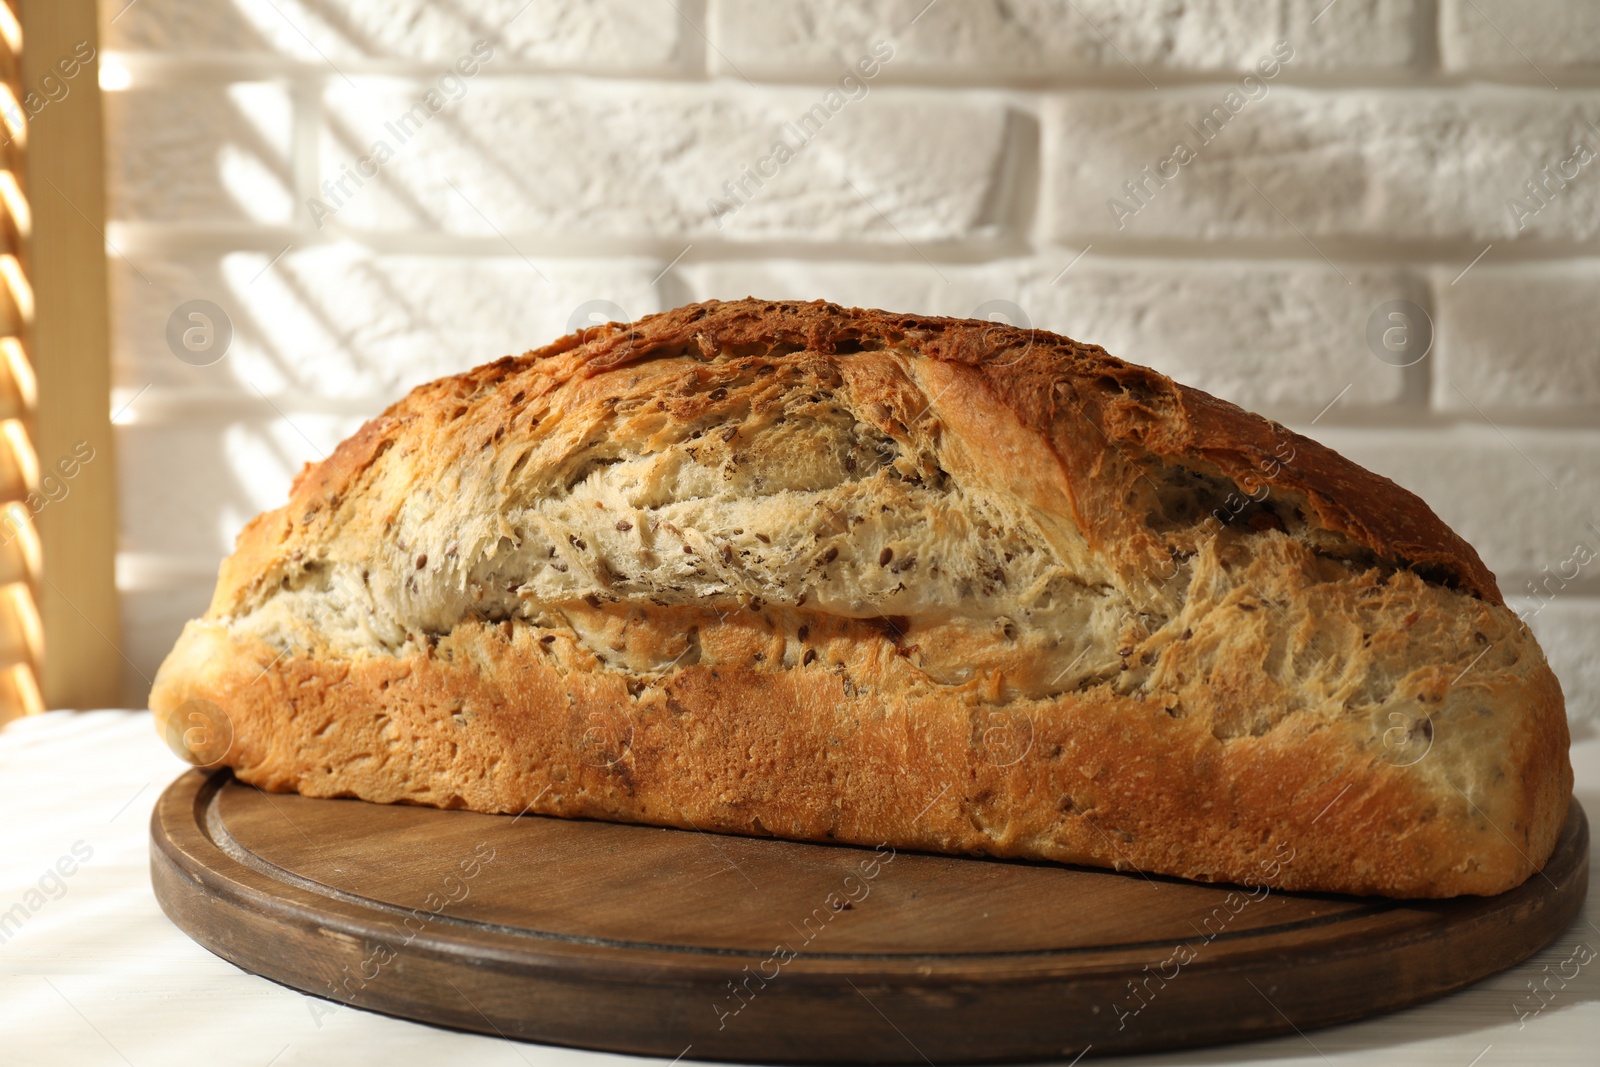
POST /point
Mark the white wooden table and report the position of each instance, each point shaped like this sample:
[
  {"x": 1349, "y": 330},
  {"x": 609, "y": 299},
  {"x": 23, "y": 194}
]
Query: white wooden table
[{"x": 91, "y": 971}]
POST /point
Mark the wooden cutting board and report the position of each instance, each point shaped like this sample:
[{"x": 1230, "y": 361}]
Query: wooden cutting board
[{"x": 674, "y": 942}]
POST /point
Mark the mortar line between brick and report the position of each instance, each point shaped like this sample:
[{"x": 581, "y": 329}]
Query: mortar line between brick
[
  {"x": 159, "y": 238},
  {"x": 221, "y": 67},
  {"x": 1427, "y": 36},
  {"x": 306, "y": 144}
]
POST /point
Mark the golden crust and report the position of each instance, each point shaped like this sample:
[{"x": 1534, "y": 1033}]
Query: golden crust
[{"x": 1335, "y": 670}]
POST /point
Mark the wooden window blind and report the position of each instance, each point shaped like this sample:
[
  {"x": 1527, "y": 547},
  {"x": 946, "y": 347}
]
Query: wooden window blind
[{"x": 59, "y": 632}]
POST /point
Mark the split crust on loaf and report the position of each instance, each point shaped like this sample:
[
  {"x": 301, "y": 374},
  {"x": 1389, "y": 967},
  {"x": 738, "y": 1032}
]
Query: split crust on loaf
[{"x": 843, "y": 575}]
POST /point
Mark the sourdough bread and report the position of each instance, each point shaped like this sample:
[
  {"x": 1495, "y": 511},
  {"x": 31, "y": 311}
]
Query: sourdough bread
[{"x": 844, "y": 575}]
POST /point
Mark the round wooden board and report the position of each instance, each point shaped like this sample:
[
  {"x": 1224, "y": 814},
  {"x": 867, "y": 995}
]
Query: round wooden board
[{"x": 645, "y": 940}]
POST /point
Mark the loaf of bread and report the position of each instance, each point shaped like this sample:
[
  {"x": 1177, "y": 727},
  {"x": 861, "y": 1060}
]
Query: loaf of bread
[{"x": 841, "y": 575}]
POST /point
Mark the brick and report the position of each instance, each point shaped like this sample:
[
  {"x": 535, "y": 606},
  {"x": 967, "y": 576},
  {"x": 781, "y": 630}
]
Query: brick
[
  {"x": 1568, "y": 629},
  {"x": 341, "y": 322},
  {"x": 1376, "y": 164},
  {"x": 605, "y": 34},
  {"x": 1522, "y": 36},
  {"x": 618, "y": 161},
  {"x": 1047, "y": 40},
  {"x": 188, "y": 489},
  {"x": 200, "y": 155},
  {"x": 1490, "y": 489},
  {"x": 1279, "y": 337},
  {"x": 1519, "y": 337}
]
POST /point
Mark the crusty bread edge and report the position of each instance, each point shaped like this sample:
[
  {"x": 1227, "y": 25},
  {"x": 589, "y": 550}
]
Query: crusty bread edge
[{"x": 489, "y": 720}]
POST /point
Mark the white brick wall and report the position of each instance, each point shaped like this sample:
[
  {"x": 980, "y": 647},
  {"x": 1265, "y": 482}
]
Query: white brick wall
[
  {"x": 1052, "y": 40},
  {"x": 652, "y": 155},
  {"x": 1521, "y": 338},
  {"x": 1378, "y": 165},
  {"x": 1514, "y": 35},
  {"x": 338, "y": 321},
  {"x": 624, "y": 35},
  {"x": 616, "y": 158},
  {"x": 216, "y": 153}
]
